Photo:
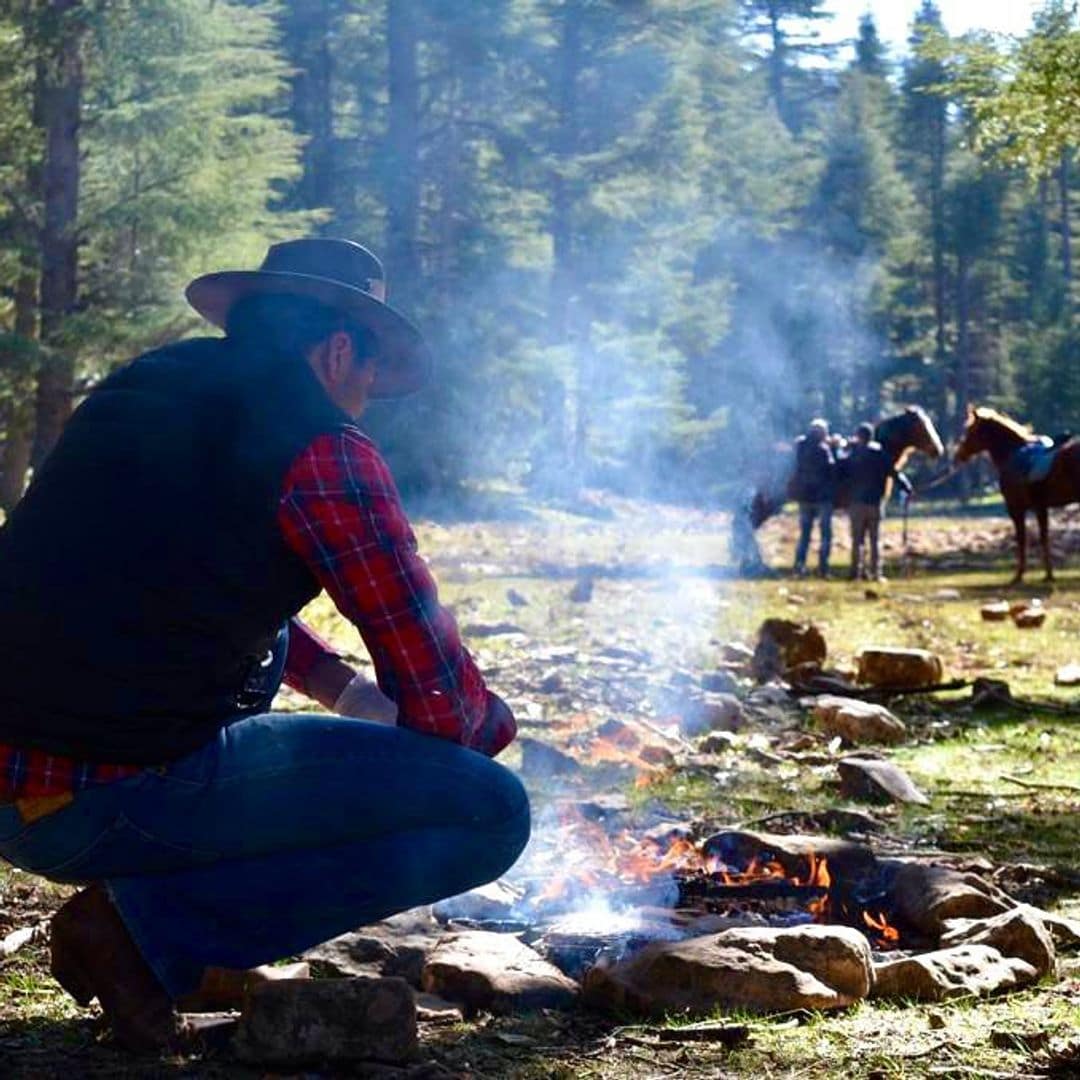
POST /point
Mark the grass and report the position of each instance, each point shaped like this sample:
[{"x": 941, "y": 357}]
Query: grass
[{"x": 662, "y": 593}]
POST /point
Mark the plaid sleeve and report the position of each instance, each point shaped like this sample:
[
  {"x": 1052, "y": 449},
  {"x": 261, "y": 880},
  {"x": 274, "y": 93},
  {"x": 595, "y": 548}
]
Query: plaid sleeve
[{"x": 341, "y": 513}]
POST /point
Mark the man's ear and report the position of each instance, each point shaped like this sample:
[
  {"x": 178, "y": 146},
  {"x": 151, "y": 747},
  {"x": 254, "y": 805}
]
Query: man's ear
[{"x": 338, "y": 356}]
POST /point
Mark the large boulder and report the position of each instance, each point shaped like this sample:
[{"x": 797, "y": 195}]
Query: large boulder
[
  {"x": 296, "y": 1023},
  {"x": 758, "y": 969},
  {"x": 1020, "y": 933},
  {"x": 398, "y": 946},
  {"x": 959, "y": 971},
  {"x": 881, "y": 665},
  {"x": 927, "y": 897}
]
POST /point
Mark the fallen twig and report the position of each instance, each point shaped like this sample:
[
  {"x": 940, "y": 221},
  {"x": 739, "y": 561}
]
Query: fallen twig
[
  {"x": 728, "y": 1034},
  {"x": 1038, "y": 785}
]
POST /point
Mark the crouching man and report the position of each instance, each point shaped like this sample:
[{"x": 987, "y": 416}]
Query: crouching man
[{"x": 149, "y": 579}]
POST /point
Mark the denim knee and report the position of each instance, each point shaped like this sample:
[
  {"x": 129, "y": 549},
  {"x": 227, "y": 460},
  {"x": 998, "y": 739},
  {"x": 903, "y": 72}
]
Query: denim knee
[{"x": 508, "y": 826}]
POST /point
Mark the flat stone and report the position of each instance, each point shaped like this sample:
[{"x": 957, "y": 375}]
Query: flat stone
[
  {"x": 737, "y": 652},
  {"x": 995, "y": 611},
  {"x": 432, "y": 1009},
  {"x": 1020, "y": 933},
  {"x": 721, "y": 682},
  {"x": 857, "y": 722},
  {"x": 1064, "y": 931},
  {"x": 947, "y": 973},
  {"x": 783, "y": 644},
  {"x": 759, "y": 969},
  {"x": 1067, "y": 675},
  {"x": 397, "y": 946},
  {"x": 882, "y": 665},
  {"x": 495, "y": 972},
  {"x": 494, "y": 901},
  {"x": 877, "y": 780},
  {"x": 227, "y": 988},
  {"x": 316, "y": 1021},
  {"x": 928, "y": 896}
]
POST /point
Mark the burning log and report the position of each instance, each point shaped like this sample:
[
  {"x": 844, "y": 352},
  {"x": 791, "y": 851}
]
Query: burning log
[{"x": 707, "y": 887}]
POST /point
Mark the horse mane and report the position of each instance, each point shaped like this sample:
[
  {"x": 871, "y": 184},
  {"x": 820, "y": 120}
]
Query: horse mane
[{"x": 992, "y": 416}]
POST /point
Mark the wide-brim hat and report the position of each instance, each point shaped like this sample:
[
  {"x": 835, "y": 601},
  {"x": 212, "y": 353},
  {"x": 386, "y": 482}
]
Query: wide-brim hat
[{"x": 343, "y": 276}]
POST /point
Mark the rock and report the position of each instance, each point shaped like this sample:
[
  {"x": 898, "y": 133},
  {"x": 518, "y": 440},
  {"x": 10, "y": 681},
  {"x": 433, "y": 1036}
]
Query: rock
[
  {"x": 494, "y": 901},
  {"x": 783, "y": 644},
  {"x": 1030, "y": 617},
  {"x": 395, "y": 946},
  {"x": 948, "y": 973},
  {"x": 721, "y": 682},
  {"x": 888, "y": 666},
  {"x": 228, "y": 988},
  {"x": 758, "y": 969},
  {"x": 539, "y": 760},
  {"x": 737, "y": 652},
  {"x": 713, "y": 712},
  {"x": 495, "y": 972},
  {"x": 516, "y": 599},
  {"x": 315, "y": 1021},
  {"x": 482, "y": 630},
  {"x": 995, "y": 611},
  {"x": 927, "y": 897},
  {"x": 1065, "y": 932},
  {"x": 879, "y": 781},
  {"x": 1068, "y": 675},
  {"x": 857, "y": 721},
  {"x": 582, "y": 591},
  {"x": 432, "y": 1009},
  {"x": 1020, "y": 933},
  {"x": 717, "y": 742},
  {"x": 945, "y": 594}
]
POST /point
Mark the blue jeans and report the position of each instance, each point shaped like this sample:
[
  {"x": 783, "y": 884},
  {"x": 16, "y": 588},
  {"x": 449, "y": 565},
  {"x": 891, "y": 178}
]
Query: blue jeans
[
  {"x": 808, "y": 511},
  {"x": 283, "y": 831}
]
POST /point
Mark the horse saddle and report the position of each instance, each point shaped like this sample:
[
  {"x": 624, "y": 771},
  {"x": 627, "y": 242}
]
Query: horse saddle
[{"x": 1035, "y": 459}]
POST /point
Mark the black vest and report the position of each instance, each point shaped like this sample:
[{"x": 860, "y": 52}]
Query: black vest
[{"x": 143, "y": 575}]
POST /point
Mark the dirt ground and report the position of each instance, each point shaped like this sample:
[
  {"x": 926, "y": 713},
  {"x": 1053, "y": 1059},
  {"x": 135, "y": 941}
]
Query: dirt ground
[{"x": 609, "y": 609}]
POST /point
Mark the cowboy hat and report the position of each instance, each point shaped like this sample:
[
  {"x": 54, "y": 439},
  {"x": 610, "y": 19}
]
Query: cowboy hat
[{"x": 341, "y": 275}]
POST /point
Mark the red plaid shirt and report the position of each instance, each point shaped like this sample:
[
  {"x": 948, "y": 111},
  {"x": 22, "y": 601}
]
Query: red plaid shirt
[{"x": 341, "y": 513}]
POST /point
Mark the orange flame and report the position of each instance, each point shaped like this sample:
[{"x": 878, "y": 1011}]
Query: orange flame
[{"x": 889, "y": 934}]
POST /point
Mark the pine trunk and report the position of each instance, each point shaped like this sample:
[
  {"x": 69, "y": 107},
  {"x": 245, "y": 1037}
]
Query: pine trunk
[
  {"x": 402, "y": 177},
  {"x": 19, "y": 409},
  {"x": 308, "y": 30},
  {"x": 1066, "y": 231},
  {"x": 59, "y": 90}
]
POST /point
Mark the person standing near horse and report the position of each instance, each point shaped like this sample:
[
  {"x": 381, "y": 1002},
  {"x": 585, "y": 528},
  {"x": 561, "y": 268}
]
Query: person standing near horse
[
  {"x": 866, "y": 470},
  {"x": 814, "y": 488}
]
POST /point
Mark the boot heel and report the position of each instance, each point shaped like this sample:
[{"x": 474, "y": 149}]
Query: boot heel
[{"x": 72, "y": 978}]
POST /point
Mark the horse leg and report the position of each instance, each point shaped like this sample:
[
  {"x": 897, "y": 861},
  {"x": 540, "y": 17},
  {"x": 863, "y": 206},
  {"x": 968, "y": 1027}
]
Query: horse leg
[
  {"x": 1019, "y": 521},
  {"x": 1042, "y": 515}
]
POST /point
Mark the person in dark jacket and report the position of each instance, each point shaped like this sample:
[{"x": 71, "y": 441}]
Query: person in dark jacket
[
  {"x": 814, "y": 487},
  {"x": 866, "y": 471},
  {"x": 150, "y": 581}
]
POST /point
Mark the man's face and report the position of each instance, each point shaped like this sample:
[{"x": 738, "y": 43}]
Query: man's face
[
  {"x": 345, "y": 376},
  {"x": 355, "y": 388}
]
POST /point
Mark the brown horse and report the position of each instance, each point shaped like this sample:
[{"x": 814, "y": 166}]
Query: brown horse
[{"x": 1005, "y": 441}]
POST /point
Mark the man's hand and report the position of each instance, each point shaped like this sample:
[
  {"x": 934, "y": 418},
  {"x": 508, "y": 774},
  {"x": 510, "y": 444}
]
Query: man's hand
[
  {"x": 363, "y": 699},
  {"x": 498, "y": 730}
]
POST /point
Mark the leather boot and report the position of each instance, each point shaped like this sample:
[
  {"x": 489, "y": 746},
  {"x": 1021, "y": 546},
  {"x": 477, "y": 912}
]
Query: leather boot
[{"x": 93, "y": 955}]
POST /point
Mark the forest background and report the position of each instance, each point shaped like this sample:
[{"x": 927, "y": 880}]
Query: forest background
[{"x": 645, "y": 239}]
